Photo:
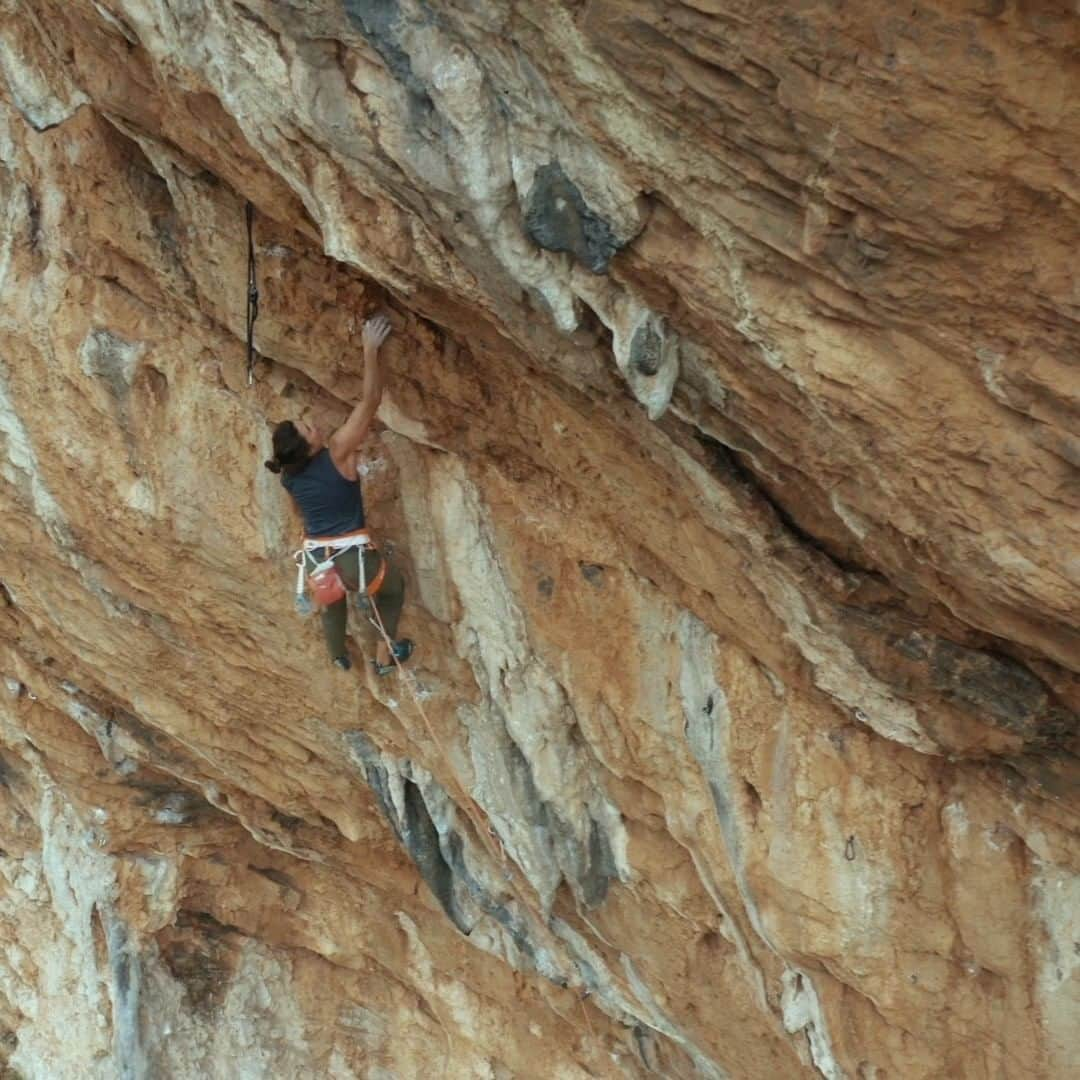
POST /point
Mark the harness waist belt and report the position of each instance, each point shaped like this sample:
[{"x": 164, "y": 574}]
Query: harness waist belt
[{"x": 357, "y": 538}]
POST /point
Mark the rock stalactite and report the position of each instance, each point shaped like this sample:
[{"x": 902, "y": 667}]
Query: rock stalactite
[{"x": 729, "y": 449}]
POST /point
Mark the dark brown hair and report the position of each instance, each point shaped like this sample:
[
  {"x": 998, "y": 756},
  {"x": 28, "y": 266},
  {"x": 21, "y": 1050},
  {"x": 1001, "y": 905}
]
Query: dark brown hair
[{"x": 291, "y": 449}]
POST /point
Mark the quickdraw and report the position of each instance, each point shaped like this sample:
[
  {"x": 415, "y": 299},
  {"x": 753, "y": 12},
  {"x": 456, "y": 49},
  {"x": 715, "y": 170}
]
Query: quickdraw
[{"x": 252, "y": 295}]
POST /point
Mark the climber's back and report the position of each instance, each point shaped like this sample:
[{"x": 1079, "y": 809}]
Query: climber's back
[{"x": 329, "y": 503}]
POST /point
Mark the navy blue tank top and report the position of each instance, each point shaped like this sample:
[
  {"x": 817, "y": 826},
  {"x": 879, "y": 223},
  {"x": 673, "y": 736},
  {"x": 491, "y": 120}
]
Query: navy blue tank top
[{"x": 330, "y": 504}]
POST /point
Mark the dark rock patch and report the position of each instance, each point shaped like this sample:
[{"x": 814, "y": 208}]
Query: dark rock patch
[{"x": 557, "y": 218}]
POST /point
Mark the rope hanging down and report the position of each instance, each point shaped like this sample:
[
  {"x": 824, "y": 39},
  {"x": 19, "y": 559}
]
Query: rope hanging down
[
  {"x": 252, "y": 296},
  {"x": 485, "y": 831}
]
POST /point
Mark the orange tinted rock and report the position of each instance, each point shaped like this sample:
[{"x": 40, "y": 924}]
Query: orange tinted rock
[{"x": 728, "y": 448}]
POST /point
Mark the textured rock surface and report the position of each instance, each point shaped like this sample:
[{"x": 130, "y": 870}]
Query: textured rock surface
[{"x": 730, "y": 451}]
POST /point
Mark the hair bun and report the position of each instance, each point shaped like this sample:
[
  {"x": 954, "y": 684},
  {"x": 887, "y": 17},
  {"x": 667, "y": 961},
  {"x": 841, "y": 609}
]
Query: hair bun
[{"x": 273, "y": 465}]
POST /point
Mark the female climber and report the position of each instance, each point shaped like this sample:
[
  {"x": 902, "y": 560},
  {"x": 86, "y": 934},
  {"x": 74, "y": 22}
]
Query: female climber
[{"x": 320, "y": 475}]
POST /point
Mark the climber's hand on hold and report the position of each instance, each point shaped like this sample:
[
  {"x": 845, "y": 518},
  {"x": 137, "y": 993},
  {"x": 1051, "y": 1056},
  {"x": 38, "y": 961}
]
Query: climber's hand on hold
[
  {"x": 376, "y": 331},
  {"x": 346, "y": 441}
]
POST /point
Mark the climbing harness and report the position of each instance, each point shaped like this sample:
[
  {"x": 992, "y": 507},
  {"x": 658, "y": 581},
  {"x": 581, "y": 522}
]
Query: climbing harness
[
  {"x": 322, "y": 575},
  {"x": 252, "y": 295}
]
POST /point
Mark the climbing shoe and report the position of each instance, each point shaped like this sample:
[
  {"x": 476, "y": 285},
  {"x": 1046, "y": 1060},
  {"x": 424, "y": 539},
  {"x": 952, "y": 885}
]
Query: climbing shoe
[
  {"x": 402, "y": 650},
  {"x": 342, "y": 662}
]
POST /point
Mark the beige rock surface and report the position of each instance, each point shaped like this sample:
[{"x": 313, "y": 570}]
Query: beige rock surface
[{"x": 730, "y": 451}]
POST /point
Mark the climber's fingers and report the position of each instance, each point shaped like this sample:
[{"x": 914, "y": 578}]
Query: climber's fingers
[{"x": 376, "y": 331}]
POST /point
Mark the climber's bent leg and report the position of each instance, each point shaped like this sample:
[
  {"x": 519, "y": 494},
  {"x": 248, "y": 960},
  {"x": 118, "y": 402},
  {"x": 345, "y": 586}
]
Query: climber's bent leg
[
  {"x": 335, "y": 618},
  {"x": 386, "y": 603},
  {"x": 390, "y": 598}
]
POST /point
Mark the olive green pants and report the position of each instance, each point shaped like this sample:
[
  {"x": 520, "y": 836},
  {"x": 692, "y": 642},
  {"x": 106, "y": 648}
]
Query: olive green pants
[{"x": 389, "y": 598}]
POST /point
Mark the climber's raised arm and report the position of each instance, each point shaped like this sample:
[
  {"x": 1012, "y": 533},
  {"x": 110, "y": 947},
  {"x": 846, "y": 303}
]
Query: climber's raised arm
[{"x": 347, "y": 439}]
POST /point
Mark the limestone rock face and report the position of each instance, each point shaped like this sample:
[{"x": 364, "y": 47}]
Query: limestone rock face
[{"x": 729, "y": 449}]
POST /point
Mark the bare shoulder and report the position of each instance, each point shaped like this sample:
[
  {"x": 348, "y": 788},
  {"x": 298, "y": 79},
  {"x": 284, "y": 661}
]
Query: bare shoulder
[{"x": 344, "y": 459}]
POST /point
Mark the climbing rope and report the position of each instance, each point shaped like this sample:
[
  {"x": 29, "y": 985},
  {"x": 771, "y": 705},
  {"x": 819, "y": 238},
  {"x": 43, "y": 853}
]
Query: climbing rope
[
  {"x": 252, "y": 294},
  {"x": 478, "y": 819},
  {"x": 470, "y": 807}
]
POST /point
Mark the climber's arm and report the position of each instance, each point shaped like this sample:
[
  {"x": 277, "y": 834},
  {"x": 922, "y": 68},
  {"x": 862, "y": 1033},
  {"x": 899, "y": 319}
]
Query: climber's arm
[{"x": 352, "y": 433}]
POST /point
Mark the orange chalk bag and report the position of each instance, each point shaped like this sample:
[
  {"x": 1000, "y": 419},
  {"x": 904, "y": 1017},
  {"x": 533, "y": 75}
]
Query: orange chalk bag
[{"x": 325, "y": 584}]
